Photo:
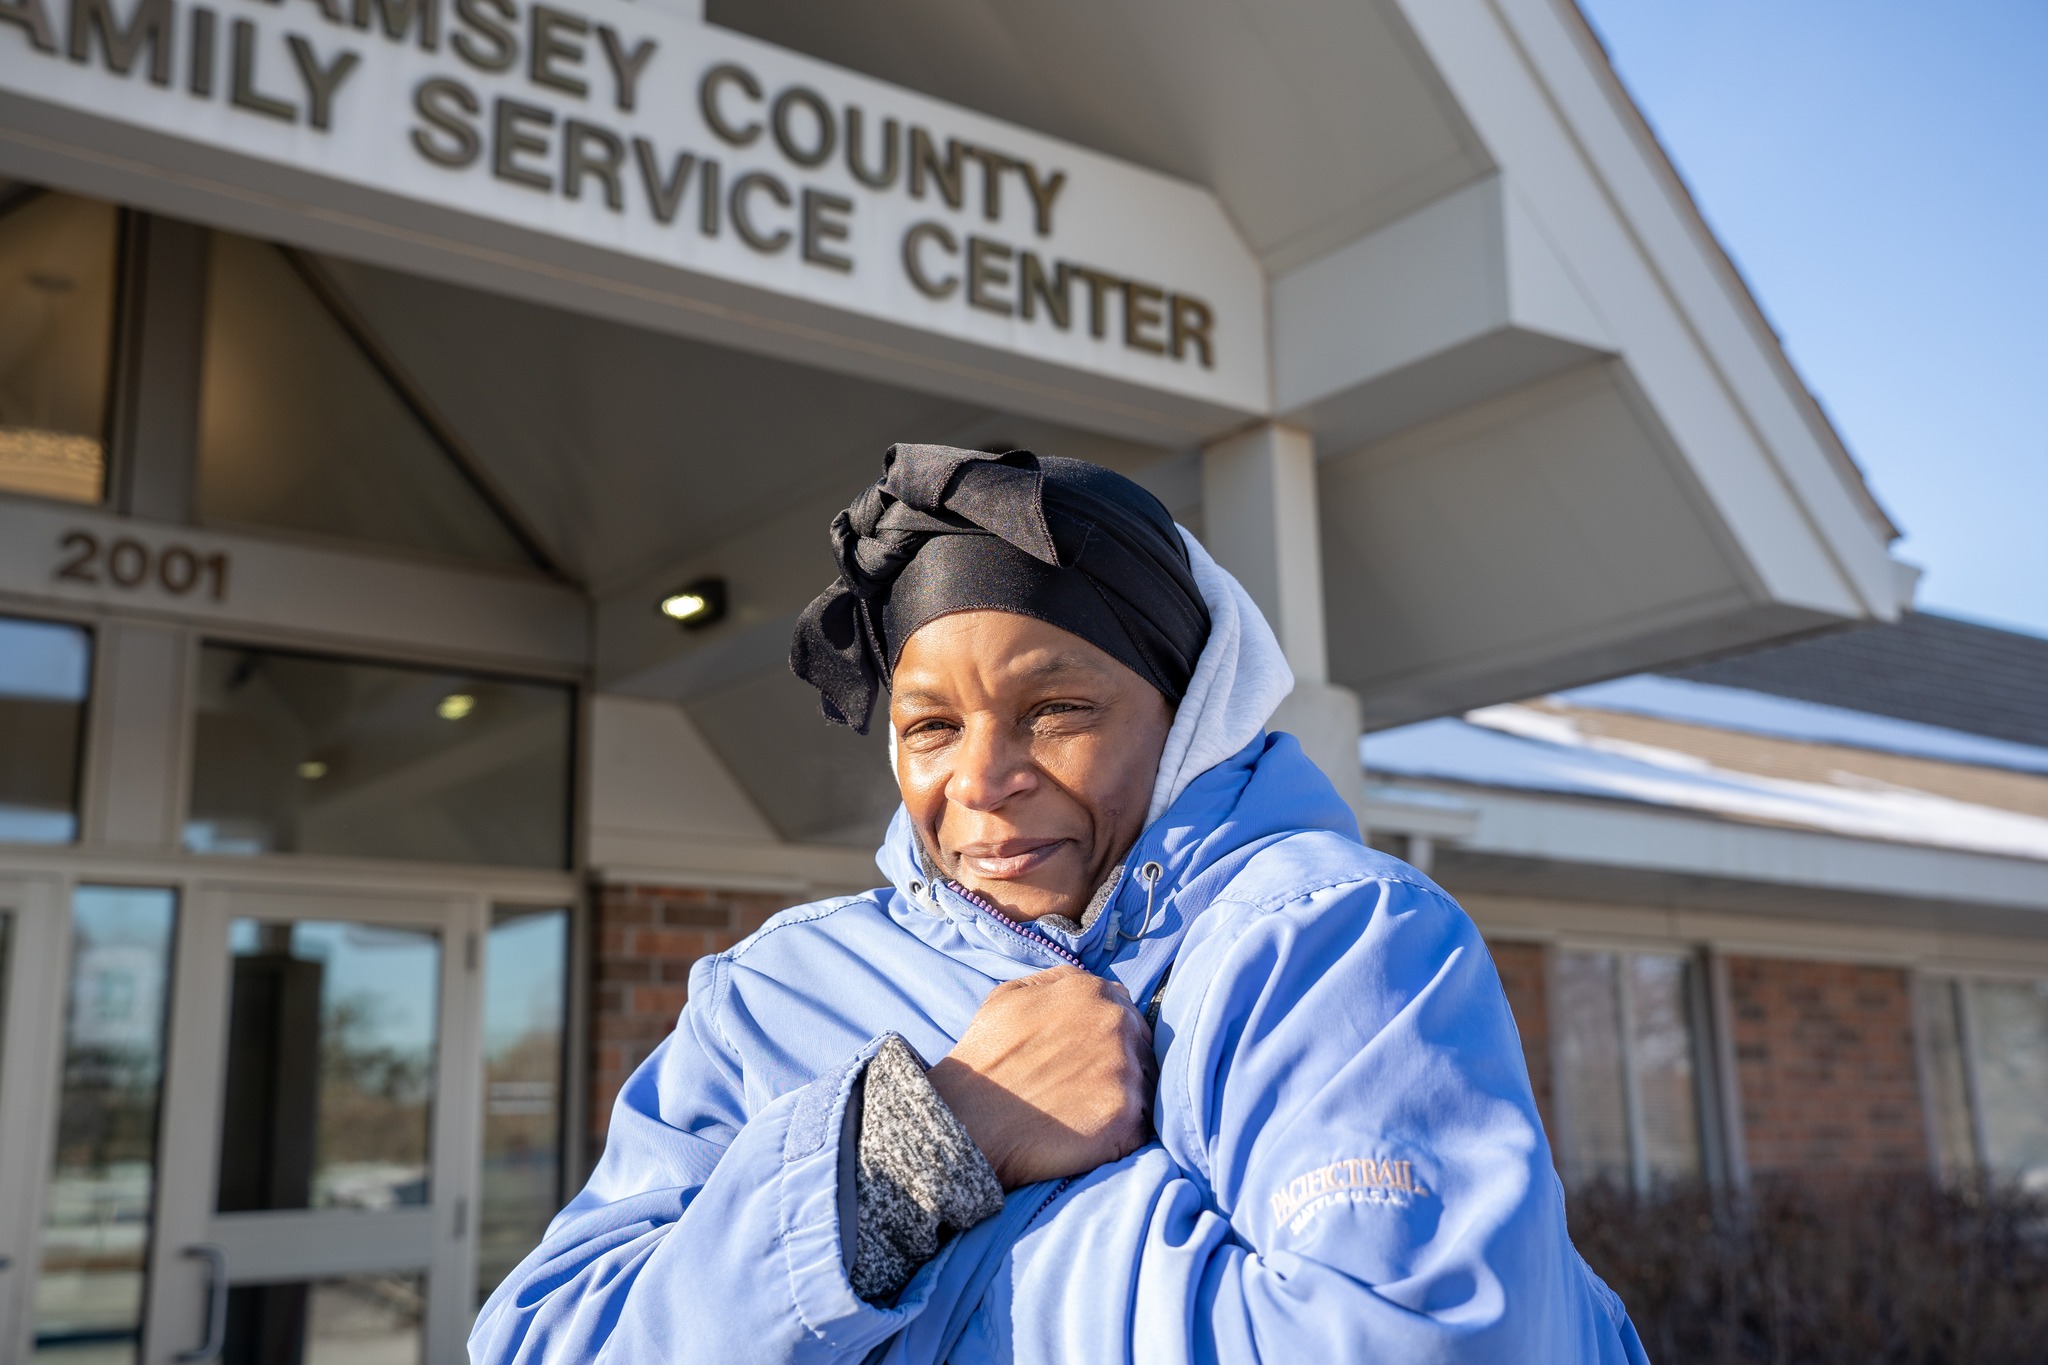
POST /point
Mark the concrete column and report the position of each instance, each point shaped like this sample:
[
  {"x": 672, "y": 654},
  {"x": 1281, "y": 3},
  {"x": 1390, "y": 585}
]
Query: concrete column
[
  {"x": 155, "y": 420},
  {"x": 1259, "y": 519},
  {"x": 137, "y": 763}
]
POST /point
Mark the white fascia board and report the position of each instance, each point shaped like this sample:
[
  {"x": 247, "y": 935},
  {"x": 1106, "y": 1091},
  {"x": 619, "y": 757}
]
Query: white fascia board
[
  {"x": 1454, "y": 303},
  {"x": 366, "y": 188},
  {"x": 1420, "y": 285},
  {"x": 1618, "y": 835},
  {"x": 691, "y": 11},
  {"x": 1396, "y": 810},
  {"x": 1466, "y": 265},
  {"x": 800, "y": 871},
  {"x": 1535, "y": 87}
]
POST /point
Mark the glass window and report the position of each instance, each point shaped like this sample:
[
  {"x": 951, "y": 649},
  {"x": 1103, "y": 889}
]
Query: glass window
[
  {"x": 1987, "y": 1053},
  {"x": 1592, "y": 1089},
  {"x": 299, "y": 428},
  {"x": 526, "y": 988},
  {"x": 1628, "y": 1075},
  {"x": 88, "y": 1304},
  {"x": 1662, "y": 1057},
  {"x": 350, "y": 1320},
  {"x": 330, "y": 1072},
  {"x": 2006, "y": 1048},
  {"x": 1941, "y": 1036},
  {"x": 56, "y": 326},
  {"x": 45, "y": 670},
  {"x": 299, "y": 754},
  {"x": 2009, "y": 1053}
]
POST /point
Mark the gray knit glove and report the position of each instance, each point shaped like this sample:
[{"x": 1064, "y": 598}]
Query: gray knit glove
[{"x": 917, "y": 1173}]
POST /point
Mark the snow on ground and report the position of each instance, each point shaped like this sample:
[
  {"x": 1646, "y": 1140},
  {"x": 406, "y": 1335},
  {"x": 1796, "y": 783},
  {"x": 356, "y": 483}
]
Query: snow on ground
[
  {"x": 1526, "y": 749},
  {"x": 1758, "y": 713}
]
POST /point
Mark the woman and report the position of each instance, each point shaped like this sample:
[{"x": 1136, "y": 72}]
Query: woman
[{"x": 1210, "y": 1079}]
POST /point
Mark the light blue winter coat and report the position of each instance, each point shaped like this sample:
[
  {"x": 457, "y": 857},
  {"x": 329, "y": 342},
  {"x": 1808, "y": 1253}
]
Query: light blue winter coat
[{"x": 1349, "y": 1164}]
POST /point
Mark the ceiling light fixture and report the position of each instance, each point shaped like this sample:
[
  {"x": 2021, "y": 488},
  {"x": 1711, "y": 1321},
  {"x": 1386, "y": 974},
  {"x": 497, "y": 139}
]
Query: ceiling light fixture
[
  {"x": 696, "y": 605},
  {"x": 312, "y": 769},
  {"x": 455, "y": 706}
]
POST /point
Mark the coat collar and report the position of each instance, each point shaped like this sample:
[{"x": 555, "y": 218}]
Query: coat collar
[{"x": 1161, "y": 885}]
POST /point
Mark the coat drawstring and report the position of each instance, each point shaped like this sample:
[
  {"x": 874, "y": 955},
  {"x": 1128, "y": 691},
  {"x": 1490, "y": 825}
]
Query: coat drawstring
[{"x": 1149, "y": 874}]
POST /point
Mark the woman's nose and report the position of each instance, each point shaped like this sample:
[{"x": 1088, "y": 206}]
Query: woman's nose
[{"x": 989, "y": 767}]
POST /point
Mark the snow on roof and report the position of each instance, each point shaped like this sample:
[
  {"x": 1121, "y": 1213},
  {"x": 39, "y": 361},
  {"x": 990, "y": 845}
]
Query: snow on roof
[
  {"x": 1523, "y": 748},
  {"x": 1759, "y": 713}
]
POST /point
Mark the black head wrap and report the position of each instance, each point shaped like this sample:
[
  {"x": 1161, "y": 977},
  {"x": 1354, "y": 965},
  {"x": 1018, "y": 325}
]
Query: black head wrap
[{"x": 945, "y": 530}]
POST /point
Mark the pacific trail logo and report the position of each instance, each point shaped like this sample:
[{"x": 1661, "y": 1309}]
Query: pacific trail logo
[{"x": 1351, "y": 1180}]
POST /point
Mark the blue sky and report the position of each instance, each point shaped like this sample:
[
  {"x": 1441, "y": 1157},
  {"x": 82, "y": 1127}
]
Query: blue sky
[{"x": 1878, "y": 169}]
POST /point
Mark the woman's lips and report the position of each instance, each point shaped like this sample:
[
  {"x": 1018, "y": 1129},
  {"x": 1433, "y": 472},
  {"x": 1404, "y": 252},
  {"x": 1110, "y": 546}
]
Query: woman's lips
[{"x": 1008, "y": 860}]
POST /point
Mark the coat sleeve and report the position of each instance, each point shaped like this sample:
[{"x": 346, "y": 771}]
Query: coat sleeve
[
  {"x": 1361, "y": 1173},
  {"x": 705, "y": 1234}
]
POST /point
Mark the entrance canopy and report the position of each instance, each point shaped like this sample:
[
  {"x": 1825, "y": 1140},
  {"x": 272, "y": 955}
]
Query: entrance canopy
[{"x": 667, "y": 283}]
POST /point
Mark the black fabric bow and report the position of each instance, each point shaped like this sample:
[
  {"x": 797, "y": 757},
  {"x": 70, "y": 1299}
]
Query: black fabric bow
[{"x": 1134, "y": 594}]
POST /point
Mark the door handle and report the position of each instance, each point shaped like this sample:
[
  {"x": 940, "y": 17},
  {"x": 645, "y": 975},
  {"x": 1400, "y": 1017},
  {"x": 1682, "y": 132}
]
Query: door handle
[{"x": 216, "y": 1306}]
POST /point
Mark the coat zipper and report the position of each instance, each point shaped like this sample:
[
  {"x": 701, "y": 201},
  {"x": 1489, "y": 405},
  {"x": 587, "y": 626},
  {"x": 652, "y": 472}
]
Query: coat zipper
[
  {"x": 1034, "y": 937},
  {"x": 1028, "y": 935},
  {"x": 1047, "y": 1203}
]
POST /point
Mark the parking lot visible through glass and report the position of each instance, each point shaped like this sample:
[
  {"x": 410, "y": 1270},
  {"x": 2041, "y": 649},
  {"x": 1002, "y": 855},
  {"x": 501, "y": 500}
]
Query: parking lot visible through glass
[{"x": 332, "y": 1046}]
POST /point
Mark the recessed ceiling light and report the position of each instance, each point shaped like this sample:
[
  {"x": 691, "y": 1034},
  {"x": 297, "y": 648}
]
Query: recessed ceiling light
[
  {"x": 696, "y": 605},
  {"x": 455, "y": 706},
  {"x": 312, "y": 769}
]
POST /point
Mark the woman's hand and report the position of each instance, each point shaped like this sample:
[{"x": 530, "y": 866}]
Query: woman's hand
[{"x": 1053, "y": 1077}]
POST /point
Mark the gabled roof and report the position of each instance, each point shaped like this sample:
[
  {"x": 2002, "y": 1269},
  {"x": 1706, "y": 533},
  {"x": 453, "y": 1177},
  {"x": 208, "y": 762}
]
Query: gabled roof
[
  {"x": 1548, "y": 748},
  {"x": 1932, "y": 669}
]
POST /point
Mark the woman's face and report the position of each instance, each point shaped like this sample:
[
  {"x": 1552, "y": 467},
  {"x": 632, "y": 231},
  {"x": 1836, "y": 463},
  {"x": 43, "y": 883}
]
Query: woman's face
[{"x": 1026, "y": 756}]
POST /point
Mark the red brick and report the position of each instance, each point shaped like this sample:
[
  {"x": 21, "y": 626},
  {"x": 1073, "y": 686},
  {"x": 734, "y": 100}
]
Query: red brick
[
  {"x": 687, "y": 944},
  {"x": 646, "y": 939},
  {"x": 625, "y": 967},
  {"x": 1824, "y": 1059},
  {"x": 1524, "y": 975},
  {"x": 695, "y": 916}
]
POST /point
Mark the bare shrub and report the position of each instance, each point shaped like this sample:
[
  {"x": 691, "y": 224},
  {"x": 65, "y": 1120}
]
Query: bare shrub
[{"x": 1891, "y": 1270}]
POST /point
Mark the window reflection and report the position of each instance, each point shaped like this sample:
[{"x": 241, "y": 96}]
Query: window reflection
[
  {"x": 2009, "y": 1054},
  {"x": 330, "y": 1069},
  {"x": 56, "y": 322},
  {"x": 44, "y": 674},
  {"x": 526, "y": 983},
  {"x": 349, "y": 1320},
  {"x": 88, "y": 1304},
  {"x": 1592, "y": 1088},
  {"x": 299, "y": 754},
  {"x": 1941, "y": 1033},
  {"x": 1628, "y": 1074},
  {"x": 1661, "y": 1052}
]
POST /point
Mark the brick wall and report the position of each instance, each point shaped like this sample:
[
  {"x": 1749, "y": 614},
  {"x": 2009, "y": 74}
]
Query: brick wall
[
  {"x": 647, "y": 938},
  {"x": 1524, "y": 975},
  {"x": 1824, "y": 1057}
]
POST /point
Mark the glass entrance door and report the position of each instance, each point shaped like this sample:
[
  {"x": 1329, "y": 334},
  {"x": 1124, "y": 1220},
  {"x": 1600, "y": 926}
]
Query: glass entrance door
[{"x": 321, "y": 1120}]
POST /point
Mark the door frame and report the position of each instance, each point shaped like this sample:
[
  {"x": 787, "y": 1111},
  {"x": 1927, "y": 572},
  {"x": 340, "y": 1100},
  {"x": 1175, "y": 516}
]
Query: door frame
[
  {"x": 31, "y": 1032},
  {"x": 176, "y": 1287},
  {"x": 436, "y": 1240}
]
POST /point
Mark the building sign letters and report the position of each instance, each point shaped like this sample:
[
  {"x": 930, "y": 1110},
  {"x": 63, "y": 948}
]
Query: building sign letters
[{"x": 626, "y": 116}]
